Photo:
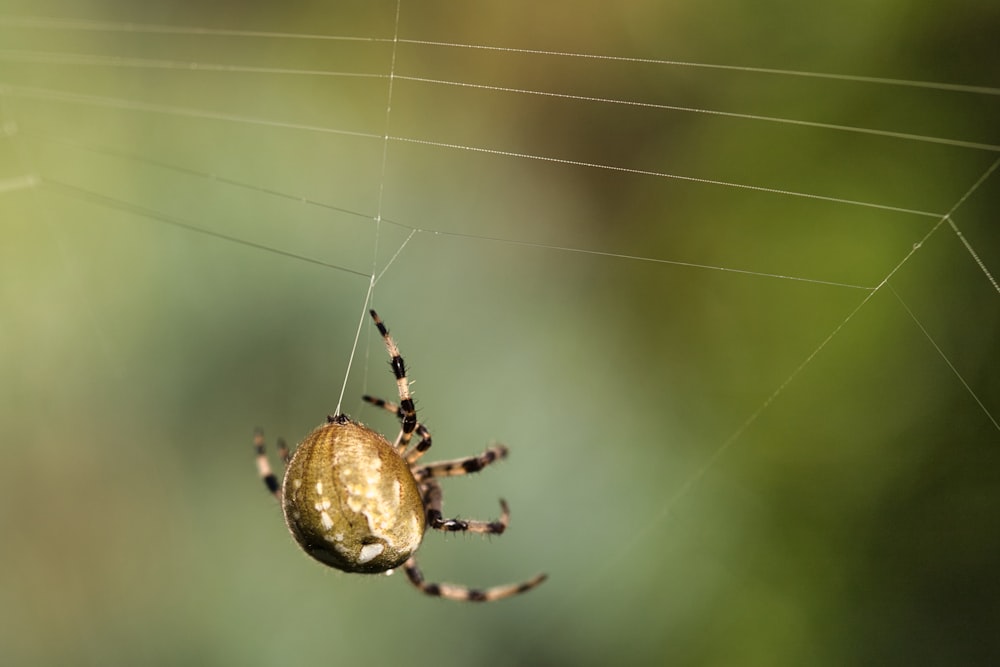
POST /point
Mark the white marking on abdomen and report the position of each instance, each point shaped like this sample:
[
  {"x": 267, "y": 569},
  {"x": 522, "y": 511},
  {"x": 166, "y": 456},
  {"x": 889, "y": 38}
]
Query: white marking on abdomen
[{"x": 369, "y": 551}]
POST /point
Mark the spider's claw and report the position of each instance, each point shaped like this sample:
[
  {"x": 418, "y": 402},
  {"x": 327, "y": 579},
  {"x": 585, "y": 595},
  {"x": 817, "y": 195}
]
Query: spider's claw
[{"x": 531, "y": 583}]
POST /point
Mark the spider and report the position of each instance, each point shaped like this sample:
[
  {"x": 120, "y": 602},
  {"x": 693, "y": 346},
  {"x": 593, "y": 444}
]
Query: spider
[{"x": 356, "y": 503}]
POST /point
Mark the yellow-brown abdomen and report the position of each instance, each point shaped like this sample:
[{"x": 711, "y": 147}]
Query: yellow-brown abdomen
[{"x": 350, "y": 500}]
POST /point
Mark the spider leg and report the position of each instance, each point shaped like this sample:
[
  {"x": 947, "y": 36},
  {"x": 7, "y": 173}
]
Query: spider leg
[
  {"x": 409, "y": 412},
  {"x": 421, "y": 430},
  {"x": 264, "y": 467},
  {"x": 461, "y": 466},
  {"x": 433, "y": 498},
  {"x": 457, "y": 592}
]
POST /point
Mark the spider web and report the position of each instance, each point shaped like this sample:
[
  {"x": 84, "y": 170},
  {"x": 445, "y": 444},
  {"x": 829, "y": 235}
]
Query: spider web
[{"x": 736, "y": 318}]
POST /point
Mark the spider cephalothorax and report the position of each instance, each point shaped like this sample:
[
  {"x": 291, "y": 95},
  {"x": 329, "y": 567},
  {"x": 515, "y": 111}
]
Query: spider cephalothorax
[{"x": 355, "y": 502}]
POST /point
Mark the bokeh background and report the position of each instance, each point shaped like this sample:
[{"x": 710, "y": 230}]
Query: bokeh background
[{"x": 734, "y": 441}]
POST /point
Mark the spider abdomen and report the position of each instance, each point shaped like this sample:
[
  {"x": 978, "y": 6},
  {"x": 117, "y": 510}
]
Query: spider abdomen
[{"x": 350, "y": 500}]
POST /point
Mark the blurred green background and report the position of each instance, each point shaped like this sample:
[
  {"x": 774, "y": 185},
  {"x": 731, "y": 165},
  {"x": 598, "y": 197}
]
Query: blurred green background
[{"x": 727, "y": 447}]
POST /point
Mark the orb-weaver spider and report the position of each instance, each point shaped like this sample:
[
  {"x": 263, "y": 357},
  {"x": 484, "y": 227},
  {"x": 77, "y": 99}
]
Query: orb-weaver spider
[{"x": 355, "y": 502}]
